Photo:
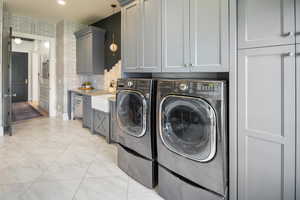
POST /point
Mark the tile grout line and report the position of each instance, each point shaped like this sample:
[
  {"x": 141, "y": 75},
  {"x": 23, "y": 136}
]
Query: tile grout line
[{"x": 82, "y": 179}]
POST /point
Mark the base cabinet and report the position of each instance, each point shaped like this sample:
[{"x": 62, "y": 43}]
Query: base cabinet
[
  {"x": 101, "y": 123},
  {"x": 87, "y": 112},
  {"x": 266, "y": 130}
]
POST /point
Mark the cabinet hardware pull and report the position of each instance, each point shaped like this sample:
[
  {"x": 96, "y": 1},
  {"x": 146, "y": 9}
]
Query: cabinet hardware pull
[
  {"x": 297, "y": 33},
  {"x": 298, "y": 54},
  {"x": 289, "y": 34}
]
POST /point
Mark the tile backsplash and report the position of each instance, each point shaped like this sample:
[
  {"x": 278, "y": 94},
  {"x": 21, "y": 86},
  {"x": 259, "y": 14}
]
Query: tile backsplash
[{"x": 96, "y": 80}]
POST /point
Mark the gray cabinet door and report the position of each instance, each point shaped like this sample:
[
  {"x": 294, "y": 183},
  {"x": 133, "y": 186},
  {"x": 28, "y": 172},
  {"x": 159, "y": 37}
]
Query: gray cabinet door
[
  {"x": 266, "y": 130},
  {"x": 101, "y": 123},
  {"x": 150, "y": 36},
  {"x": 113, "y": 120},
  {"x": 209, "y": 39},
  {"x": 175, "y": 36},
  {"x": 84, "y": 54},
  {"x": 265, "y": 22},
  {"x": 131, "y": 37},
  {"x": 298, "y": 120},
  {"x": 298, "y": 21},
  {"x": 87, "y": 112}
]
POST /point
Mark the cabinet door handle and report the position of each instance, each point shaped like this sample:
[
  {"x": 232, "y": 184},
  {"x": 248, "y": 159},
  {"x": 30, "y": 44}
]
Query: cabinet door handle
[
  {"x": 297, "y": 33},
  {"x": 298, "y": 54},
  {"x": 288, "y": 34}
]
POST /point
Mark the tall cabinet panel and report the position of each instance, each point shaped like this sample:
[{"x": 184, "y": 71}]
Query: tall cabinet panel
[
  {"x": 266, "y": 148},
  {"x": 298, "y": 21},
  {"x": 266, "y": 23},
  {"x": 130, "y": 37},
  {"x": 150, "y": 44},
  {"x": 209, "y": 42},
  {"x": 175, "y": 35},
  {"x": 298, "y": 119},
  {"x": 84, "y": 54}
]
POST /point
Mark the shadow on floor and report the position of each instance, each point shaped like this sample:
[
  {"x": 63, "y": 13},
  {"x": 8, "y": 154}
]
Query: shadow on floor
[{"x": 24, "y": 111}]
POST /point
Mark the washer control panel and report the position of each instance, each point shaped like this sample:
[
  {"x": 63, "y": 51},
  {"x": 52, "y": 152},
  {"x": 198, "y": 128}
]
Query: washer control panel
[
  {"x": 213, "y": 89},
  {"x": 143, "y": 85},
  {"x": 183, "y": 86}
]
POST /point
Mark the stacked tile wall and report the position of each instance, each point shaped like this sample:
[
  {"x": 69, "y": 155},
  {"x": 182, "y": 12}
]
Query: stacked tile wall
[
  {"x": 67, "y": 78},
  {"x": 30, "y": 25}
]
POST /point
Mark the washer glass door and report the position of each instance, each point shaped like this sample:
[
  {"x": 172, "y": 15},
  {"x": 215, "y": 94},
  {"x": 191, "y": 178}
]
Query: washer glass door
[
  {"x": 188, "y": 127},
  {"x": 131, "y": 112}
]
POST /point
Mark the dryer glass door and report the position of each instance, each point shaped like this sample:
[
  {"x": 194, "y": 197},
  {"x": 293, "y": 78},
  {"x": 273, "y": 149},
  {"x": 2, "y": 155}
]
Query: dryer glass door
[
  {"x": 188, "y": 127},
  {"x": 131, "y": 112}
]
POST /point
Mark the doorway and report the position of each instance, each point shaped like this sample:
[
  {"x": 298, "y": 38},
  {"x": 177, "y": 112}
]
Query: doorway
[{"x": 19, "y": 77}]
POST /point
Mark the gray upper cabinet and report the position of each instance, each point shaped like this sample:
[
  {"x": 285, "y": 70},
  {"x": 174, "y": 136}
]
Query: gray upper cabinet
[
  {"x": 90, "y": 51},
  {"x": 265, "y": 23},
  {"x": 141, "y": 27},
  {"x": 190, "y": 43},
  {"x": 150, "y": 43},
  {"x": 298, "y": 21},
  {"x": 175, "y": 36},
  {"x": 209, "y": 41},
  {"x": 130, "y": 37},
  {"x": 266, "y": 130}
]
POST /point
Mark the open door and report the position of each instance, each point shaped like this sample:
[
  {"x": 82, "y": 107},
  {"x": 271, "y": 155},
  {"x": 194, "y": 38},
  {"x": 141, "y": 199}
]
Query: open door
[{"x": 7, "y": 81}]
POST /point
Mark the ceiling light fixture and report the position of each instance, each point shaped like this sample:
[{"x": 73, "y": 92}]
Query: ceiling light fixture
[
  {"x": 61, "y": 2},
  {"x": 18, "y": 40}
]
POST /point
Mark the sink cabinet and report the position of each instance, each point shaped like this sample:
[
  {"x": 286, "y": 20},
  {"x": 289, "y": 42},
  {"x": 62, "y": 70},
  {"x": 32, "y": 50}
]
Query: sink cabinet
[{"x": 90, "y": 51}]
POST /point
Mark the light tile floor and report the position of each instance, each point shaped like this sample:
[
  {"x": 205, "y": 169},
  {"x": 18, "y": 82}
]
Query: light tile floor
[{"x": 52, "y": 159}]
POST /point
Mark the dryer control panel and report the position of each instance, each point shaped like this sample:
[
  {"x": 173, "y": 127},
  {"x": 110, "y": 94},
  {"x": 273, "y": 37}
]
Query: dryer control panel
[{"x": 197, "y": 88}]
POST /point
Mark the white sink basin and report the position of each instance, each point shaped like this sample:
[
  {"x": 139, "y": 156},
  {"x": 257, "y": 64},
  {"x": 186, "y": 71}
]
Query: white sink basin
[{"x": 101, "y": 102}]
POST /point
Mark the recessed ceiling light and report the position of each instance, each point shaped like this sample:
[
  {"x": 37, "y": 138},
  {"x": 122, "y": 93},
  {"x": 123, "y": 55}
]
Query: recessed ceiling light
[
  {"x": 18, "y": 40},
  {"x": 61, "y": 2}
]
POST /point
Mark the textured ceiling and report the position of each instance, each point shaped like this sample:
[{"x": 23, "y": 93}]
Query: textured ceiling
[{"x": 82, "y": 11}]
